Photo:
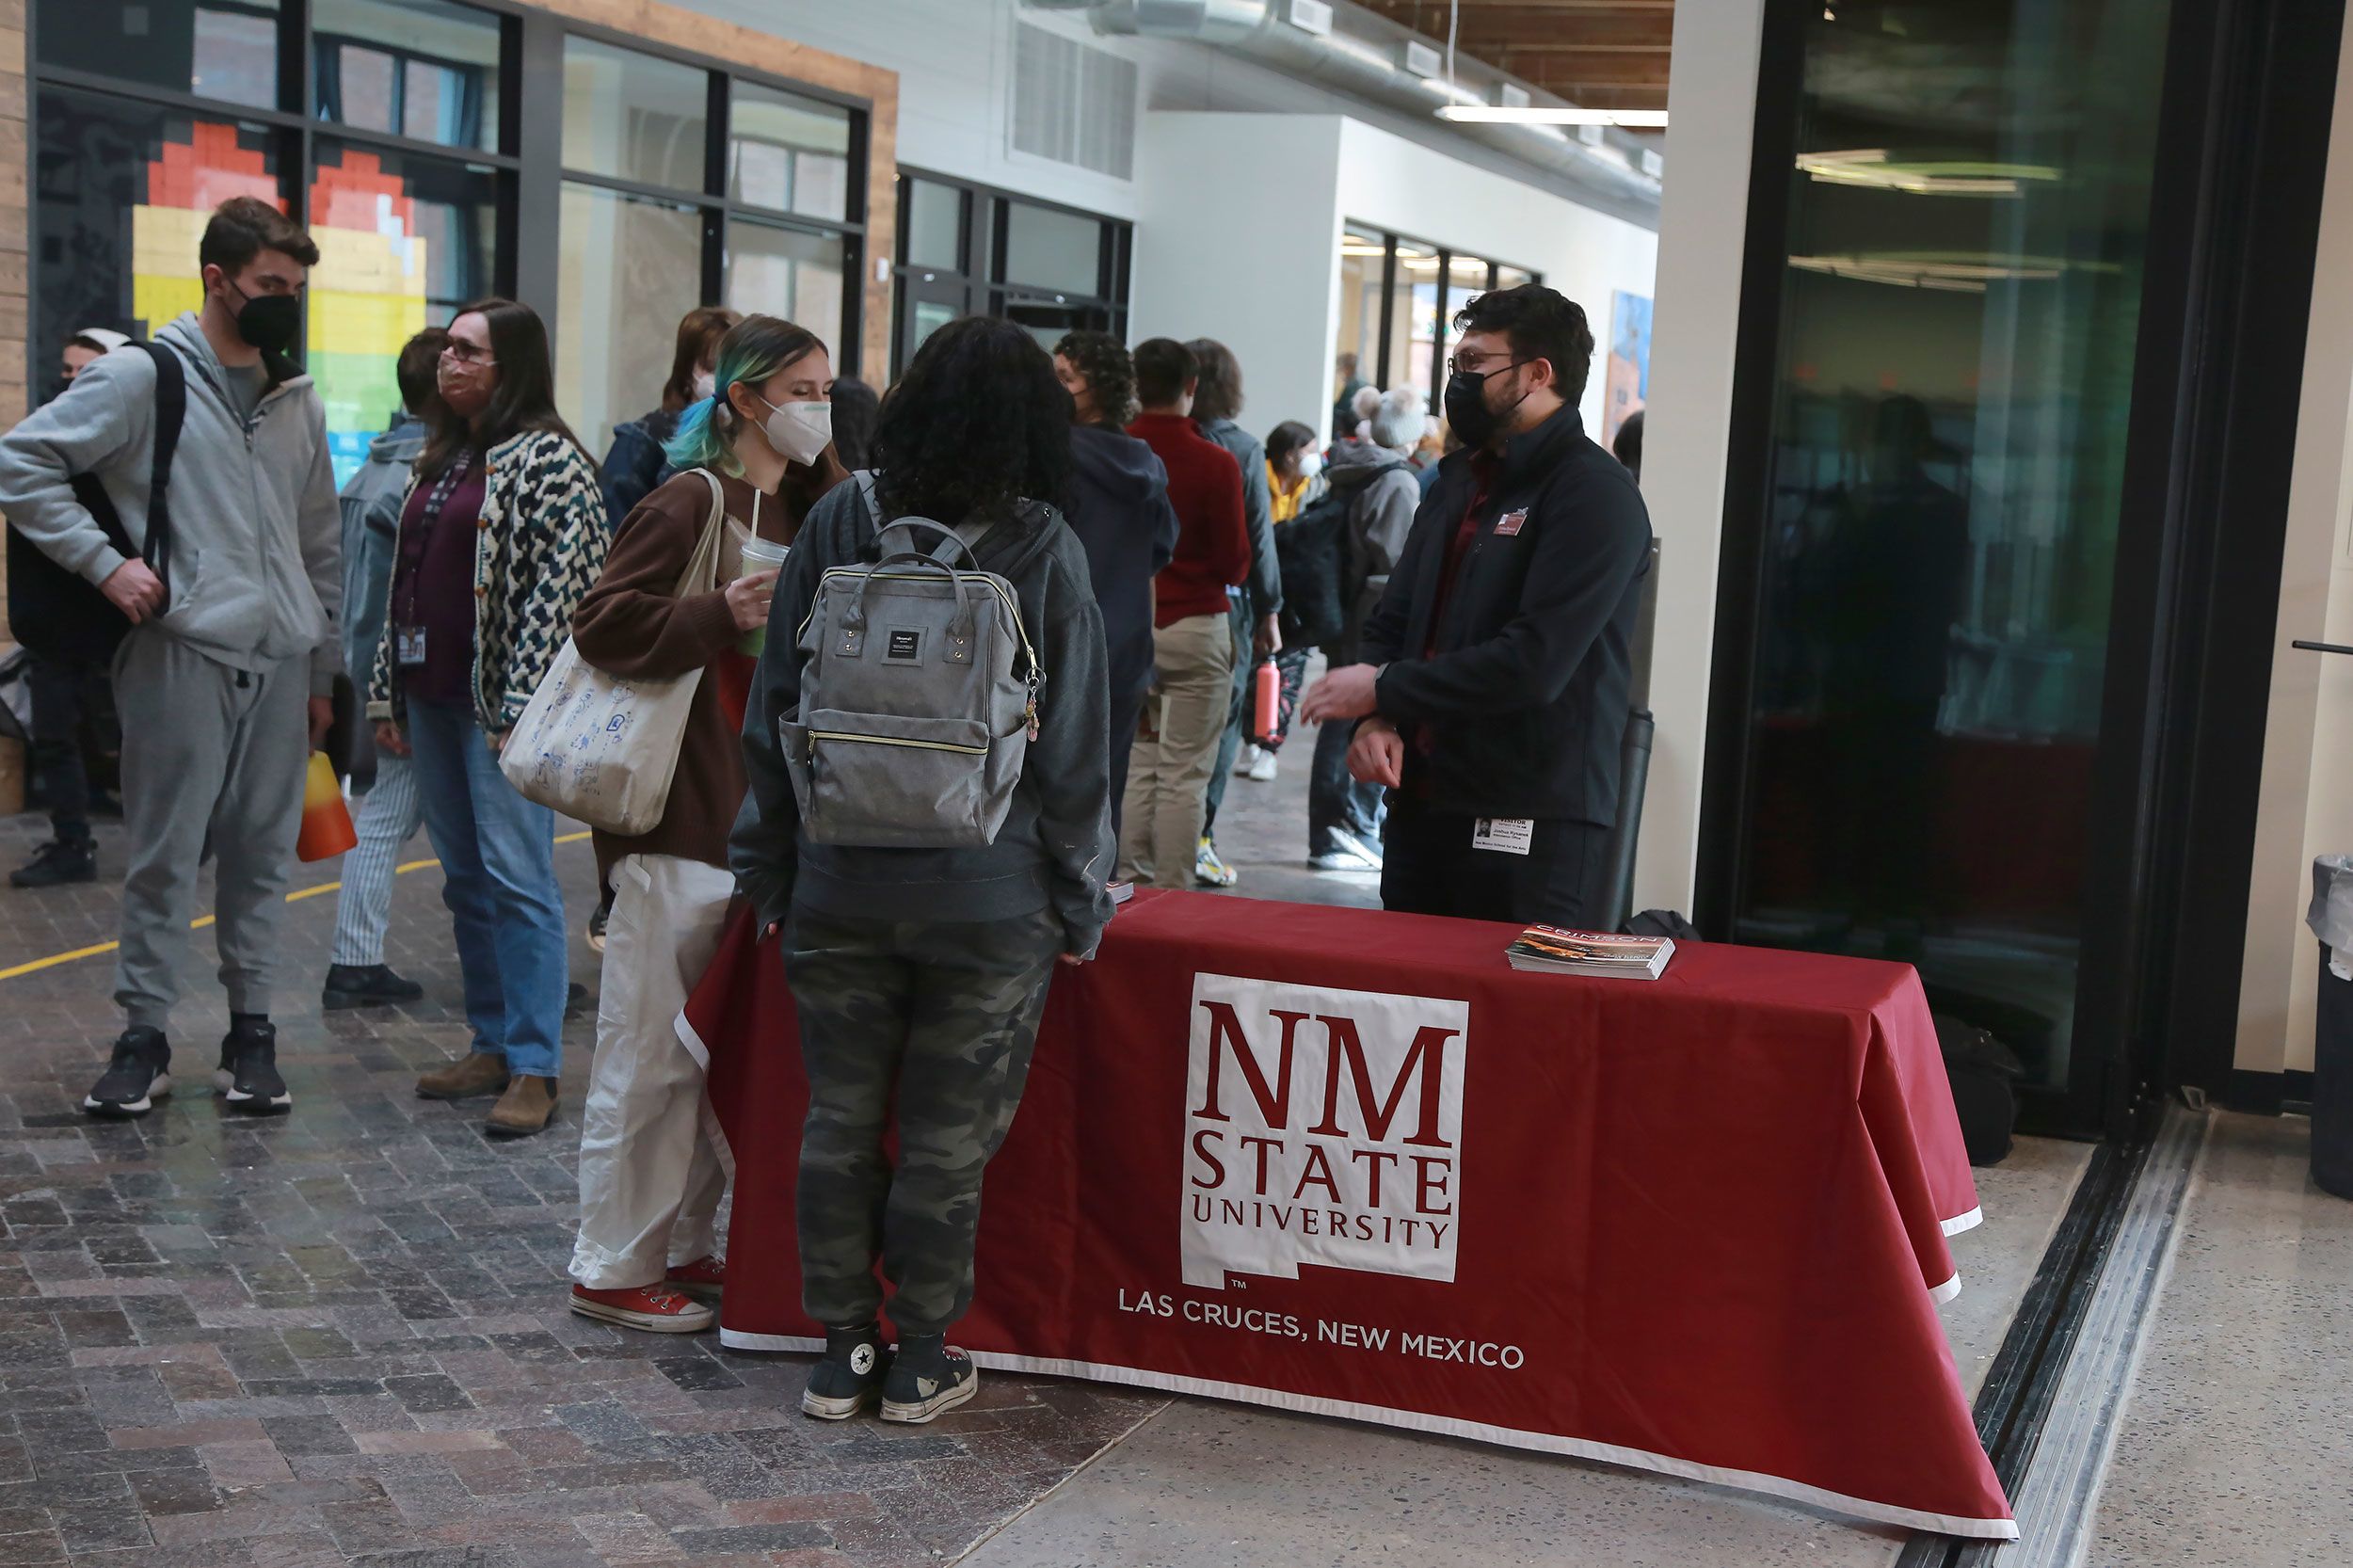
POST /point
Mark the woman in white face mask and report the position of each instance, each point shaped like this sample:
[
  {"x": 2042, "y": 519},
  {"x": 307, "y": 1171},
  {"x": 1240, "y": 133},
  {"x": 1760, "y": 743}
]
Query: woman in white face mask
[{"x": 753, "y": 454}]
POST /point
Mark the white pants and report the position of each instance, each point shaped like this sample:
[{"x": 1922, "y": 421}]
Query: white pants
[{"x": 653, "y": 1162}]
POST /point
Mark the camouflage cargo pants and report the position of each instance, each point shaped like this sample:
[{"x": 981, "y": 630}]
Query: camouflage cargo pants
[{"x": 946, "y": 1013}]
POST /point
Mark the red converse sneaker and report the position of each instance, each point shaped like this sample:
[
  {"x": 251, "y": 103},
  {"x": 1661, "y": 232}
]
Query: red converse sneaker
[
  {"x": 702, "y": 1279},
  {"x": 654, "y": 1308}
]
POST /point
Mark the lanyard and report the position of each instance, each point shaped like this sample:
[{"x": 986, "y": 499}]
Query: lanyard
[{"x": 414, "y": 547}]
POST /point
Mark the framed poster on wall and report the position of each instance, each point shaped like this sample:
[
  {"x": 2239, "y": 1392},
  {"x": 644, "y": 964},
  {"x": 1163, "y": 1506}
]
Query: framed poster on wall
[{"x": 1628, "y": 387}]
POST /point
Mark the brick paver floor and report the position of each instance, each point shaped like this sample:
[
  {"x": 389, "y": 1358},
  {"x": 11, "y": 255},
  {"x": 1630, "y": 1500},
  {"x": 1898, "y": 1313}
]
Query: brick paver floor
[{"x": 339, "y": 1336}]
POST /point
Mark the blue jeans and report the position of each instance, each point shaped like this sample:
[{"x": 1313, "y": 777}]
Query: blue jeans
[
  {"x": 1335, "y": 799},
  {"x": 498, "y": 877}
]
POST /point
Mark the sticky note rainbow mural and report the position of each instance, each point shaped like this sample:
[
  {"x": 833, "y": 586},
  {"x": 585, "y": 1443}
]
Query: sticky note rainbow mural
[{"x": 367, "y": 292}]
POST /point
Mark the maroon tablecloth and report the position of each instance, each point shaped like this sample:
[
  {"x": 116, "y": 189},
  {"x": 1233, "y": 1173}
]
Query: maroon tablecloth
[{"x": 1349, "y": 1162}]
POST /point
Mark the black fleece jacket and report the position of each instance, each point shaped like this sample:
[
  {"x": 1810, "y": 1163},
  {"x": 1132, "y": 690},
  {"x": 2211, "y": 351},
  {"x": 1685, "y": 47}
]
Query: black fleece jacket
[{"x": 1514, "y": 696}]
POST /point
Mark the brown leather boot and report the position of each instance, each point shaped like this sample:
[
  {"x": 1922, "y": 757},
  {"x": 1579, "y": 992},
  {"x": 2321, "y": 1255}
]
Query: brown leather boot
[
  {"x": 473, "y": 1074},
  {"x": 526, "y": 1107}
]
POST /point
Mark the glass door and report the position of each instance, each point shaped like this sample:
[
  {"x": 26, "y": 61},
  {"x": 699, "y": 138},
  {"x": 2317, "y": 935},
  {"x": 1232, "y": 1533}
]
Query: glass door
[{"x": 1901, "y": 765}]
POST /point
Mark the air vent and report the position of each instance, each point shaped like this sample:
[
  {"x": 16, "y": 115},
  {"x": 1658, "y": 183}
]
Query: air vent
[
  {"x": 1073, "y": 104},
  {"x": 1511, "y": 95},
  {"x": 1654, "y": 163},
  {"x": 1311, "y": 16},
  {"x": 1422, "y": 60}
]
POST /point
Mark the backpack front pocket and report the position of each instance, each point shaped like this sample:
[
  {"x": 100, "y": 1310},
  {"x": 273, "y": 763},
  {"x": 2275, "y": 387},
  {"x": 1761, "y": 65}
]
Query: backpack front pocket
[{"x": 887, "y": 781}]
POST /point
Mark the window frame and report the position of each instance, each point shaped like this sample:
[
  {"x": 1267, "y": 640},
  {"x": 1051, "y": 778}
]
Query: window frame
[
  {"x": 983, "y": 235},
  {"x": 1391, "y": 319},
  {"x": 527, "y": 163}
]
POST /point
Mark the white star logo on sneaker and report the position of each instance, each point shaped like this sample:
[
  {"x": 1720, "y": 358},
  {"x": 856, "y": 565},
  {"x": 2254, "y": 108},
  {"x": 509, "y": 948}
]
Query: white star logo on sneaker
[{"x": 862, "y": 1360}]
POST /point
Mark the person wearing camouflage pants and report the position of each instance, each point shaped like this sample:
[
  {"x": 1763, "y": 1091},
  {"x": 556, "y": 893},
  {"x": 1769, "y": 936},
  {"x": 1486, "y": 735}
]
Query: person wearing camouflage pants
[{"x": 947, "y": 1012}]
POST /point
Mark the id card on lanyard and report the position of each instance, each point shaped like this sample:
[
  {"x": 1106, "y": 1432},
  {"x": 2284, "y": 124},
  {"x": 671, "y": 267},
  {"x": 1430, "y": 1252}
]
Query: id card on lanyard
[{"x": 408, "y": 622}]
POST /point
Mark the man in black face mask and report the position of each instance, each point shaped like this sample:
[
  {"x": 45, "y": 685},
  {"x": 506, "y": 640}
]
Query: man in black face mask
[
  {"x": 1492, "y": 696},
  {"x": 229, "y": 652}
]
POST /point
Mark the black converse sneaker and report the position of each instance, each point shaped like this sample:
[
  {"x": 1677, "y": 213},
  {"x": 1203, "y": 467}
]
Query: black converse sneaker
[
  {"x": 136, "y": 1076},
  {"x": 928, "y": 1376},
  {"x": 849, "y": 1378},
  {"x": 248, "y": 1077}
]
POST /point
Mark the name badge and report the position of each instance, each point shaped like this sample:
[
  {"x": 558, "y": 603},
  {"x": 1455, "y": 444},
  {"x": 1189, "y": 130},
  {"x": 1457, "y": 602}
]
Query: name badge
[
  {"x": 1505, "y": 835},
  {"x": 1509, "y": 524},
  {"x": 409, "y": 646}
]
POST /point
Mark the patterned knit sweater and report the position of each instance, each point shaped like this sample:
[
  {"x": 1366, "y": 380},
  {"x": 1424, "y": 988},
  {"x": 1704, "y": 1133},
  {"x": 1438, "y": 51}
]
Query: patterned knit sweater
[{"x": 542, "y": 537}]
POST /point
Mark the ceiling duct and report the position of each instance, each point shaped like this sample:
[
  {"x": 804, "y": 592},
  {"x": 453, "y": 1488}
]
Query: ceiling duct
[{"x": 1363, "y": 56}]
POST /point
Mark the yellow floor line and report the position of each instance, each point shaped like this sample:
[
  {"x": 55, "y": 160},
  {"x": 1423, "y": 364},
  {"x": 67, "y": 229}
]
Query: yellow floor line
[{"x": 54, "y": 959}]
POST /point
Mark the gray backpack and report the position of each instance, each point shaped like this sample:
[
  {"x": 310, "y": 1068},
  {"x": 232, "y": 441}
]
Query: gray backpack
[{"x": 918, "y": 695}]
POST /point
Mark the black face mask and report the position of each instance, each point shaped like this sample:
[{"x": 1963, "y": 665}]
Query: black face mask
[
  {"x": 1466, "y": 407},
  {"x": 269, "y": 321}
]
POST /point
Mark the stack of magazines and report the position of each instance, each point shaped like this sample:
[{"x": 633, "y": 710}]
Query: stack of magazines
[{"x": 1556, "y": 952}]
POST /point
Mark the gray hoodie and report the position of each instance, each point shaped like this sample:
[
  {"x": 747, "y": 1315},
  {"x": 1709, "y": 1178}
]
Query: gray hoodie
[
  {"x": 371, "y": 525},
  {"x": 1384, "y": 494},
  {"x": 255, "y": 555}
]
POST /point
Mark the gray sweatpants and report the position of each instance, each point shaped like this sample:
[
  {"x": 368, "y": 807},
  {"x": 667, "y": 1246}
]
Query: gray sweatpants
[{"x": 207, "y": 752}]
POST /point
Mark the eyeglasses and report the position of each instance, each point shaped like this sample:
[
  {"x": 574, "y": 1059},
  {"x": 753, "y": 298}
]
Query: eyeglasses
[
  {"x": 465, "y": 353},
  {"x": 1477, "y": 365}
]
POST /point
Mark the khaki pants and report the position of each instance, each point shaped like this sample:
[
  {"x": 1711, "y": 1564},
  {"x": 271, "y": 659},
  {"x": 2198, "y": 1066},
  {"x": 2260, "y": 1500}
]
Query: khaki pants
[
  {"x": 652, "y": 1164},
  {"x": 1168, "y": 776}
]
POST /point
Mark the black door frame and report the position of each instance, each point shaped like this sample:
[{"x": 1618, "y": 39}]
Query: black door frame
[{"x": 2241, "y": 149}]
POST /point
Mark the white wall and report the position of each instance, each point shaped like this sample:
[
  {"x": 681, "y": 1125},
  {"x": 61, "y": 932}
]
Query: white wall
[
  {"x": 1253, "y": 260},
  {"x": 1712, "y": 110},
  {"x": 2306, "y": 805}
]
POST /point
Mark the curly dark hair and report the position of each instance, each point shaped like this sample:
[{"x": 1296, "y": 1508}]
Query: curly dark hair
[
  {"x": 976, "y": 425},
  {"x": 1110, "y": 375}
]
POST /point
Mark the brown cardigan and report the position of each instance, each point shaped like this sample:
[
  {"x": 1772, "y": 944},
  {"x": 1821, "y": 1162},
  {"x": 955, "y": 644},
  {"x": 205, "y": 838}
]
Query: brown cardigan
[{"x": 632, "y": 624}]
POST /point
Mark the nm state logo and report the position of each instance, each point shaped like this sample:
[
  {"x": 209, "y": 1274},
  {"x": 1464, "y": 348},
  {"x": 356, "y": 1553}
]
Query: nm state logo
[{"x": 1322, "y": 1127}]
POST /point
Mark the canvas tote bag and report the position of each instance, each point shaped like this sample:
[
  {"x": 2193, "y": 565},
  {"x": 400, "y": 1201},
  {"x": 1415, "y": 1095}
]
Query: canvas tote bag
[{"x": 602, "y": 749}]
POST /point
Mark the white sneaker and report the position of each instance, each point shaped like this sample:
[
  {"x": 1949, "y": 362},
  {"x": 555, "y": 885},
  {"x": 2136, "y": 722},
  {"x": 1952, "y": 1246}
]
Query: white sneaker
[
  {"x": 1247, "y": 761},
  {"x": 1349, "y": 843},
  {"x": 1262, "y": 767},
  {"x": 1339, "y": 860}
]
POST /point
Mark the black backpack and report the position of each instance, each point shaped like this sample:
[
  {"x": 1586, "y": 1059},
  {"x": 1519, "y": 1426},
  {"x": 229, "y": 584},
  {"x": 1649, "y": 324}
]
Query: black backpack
[
  {"x": 1311, "y": 551},
  {"x": 1984, "y": 1074},
  {"x": 59, "y": 614}
]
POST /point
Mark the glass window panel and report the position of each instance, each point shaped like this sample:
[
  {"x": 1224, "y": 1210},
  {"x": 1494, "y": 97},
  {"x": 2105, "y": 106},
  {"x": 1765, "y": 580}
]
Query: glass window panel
[
  {"x": 1048, "y": 250},
  {"x": 1958, "y": 327},
  {"x": 1467, "y": 280},
  {"x": 930, "y": 316},
  {"x": 424, "y": 69},
  {"x": 1361, "y": 301},
  {"x": 934, "y": 225},
  {"x": 403, "y": 243},
  {"x": 1050, "y": 324},
  {"x": 629, "y": 116},
  {"x": 1414, "y": 304},
  {"x": 779, "y": 272},
  {"x": 225, "y": 49},
  {"x": 630, "y": 268},
  {"x": 1513, "y": 278},
  {"x": 787, "y": 152},
  {"x": 122, "y": 191}
]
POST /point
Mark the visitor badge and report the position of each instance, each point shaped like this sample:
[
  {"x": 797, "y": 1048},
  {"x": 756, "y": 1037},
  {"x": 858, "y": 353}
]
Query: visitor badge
[
  {"x": 1509, "y": 524},
  {"x": 409, "y": 646},
  {"x": 1507, "y": 835}
]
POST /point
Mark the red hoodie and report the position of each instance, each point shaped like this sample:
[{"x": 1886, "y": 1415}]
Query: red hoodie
[{"x": 1213, "y": 542}]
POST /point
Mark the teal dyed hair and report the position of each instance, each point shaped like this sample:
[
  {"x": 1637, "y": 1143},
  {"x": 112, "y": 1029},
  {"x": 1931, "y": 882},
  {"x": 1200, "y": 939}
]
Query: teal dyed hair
[{"x": 754, "y": 349}]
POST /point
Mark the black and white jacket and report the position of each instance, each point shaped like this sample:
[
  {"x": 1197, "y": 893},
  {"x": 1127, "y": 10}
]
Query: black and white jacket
[{"x": 539, "y": 550}]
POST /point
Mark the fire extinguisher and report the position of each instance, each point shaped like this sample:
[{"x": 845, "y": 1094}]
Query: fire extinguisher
[{"x": 1266, "y": 704}]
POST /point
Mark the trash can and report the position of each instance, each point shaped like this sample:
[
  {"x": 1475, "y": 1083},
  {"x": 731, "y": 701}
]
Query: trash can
[{"x": 2331, "y": 920}]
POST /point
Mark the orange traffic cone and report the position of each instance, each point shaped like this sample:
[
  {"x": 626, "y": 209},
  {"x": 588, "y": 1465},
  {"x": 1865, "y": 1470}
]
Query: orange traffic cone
[{"x": 327, "y": 829}]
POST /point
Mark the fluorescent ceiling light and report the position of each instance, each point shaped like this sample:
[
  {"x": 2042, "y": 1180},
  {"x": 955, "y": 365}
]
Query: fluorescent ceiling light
[
  {"x": 1872, "y": 167},
  {"x": 1488, "y": 114}
]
